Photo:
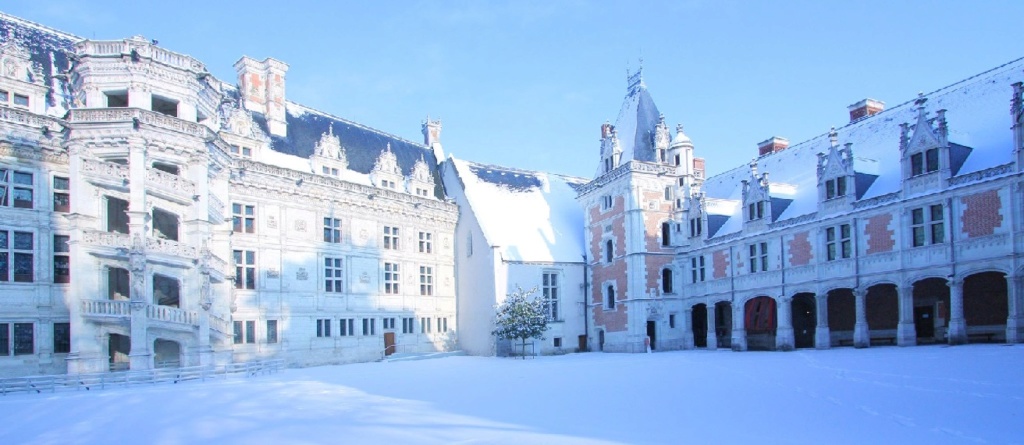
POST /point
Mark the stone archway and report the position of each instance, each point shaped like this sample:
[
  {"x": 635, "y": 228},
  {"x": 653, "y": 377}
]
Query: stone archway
[
  {"x": 804, "y": 318},
  {"x": 166, "y": 354},
  {"x": 882, "y": 310},
  {"x": 723, "y": 324},
  {"x": 842, "y": 316},
  {"x": 760, "y": 323},
  {"x": 986, "y": 307},
  {"x": 930, "y": 310},
  {"x": 699, "y": 325}
]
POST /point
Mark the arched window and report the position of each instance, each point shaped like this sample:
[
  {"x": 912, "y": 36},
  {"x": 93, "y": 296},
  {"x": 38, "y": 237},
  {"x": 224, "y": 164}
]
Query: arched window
[
  {"x": 608, "y": 251},
  {"x": 666, "y": 280},
  {"x": 666, "y": 231},
  {"x": 611, "y": 297}
]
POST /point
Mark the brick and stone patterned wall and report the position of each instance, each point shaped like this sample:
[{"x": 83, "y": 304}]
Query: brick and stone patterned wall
[
  {"x": 720, "y": 263},
  {"x": 981, "y": 213},
  {"x": 652, "y": 228},
  {"x": 603, "y": 272},
  {"x": 800, "y": 251},
  {"x": 880, "y": 234}
]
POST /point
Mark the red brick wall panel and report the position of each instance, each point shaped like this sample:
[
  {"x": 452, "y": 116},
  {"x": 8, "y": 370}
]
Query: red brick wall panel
[
  {"x": 981, "y": 214},
  {"x": 720, "y": 263},
  {"x": 880, "y": 235},
  {"x": 800, "y": 252}
]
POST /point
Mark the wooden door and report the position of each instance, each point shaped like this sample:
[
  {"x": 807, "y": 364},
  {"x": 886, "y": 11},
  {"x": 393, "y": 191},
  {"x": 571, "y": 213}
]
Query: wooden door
[{"x": 389, "y": 343}]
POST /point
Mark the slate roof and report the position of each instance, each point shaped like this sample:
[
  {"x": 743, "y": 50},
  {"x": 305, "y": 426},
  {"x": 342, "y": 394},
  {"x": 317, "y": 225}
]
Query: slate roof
[
  {"x": 529, "y": 216},
  {"x": 979, "y": 135},
  {"x": 636, "y": 122},
  {"x": 49, "y": 48}
]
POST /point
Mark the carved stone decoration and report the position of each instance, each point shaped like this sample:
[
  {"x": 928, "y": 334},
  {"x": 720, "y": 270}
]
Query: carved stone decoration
[
  {"x": 300, "y": 225},
  {"x": 137, "y": 262},
  {"x": 204, "y": 272},
  {"x": 301, "y": 274},
  {"x": 273, "y": 273},
  {"x": 420, "y": 171},
  {"x": 387, "y": 163},
  {"x": 329, "y": 146},
  {"x": 364, "y": 277},
  {"x": 271, "y": 222}
]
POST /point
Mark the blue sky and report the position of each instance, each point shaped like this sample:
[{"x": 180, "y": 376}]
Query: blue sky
[{"x": 528, "y": 83}]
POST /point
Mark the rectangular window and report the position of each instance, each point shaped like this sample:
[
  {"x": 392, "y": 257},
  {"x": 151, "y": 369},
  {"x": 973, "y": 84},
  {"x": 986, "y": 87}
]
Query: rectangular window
[
  {"x": 16, "y": 257},
  {"x": 5, "y": 339},
  {"x": 391, "y": 237},
  {"x": 20, "y": 100},
  {"x": 243, "y": 218},
  {"x": 4, "y": 97},
  {"x": 755, "y": 210},
  {"x": 117, "y": 215},
  {"x": 931, "y": 160},
  {"x": 369, "y": 326},
  {"x": 323, "y": 327},
  {"x": 391, "y": 278},
  {"x": 407, "y": 325},
  {"x": 550, "y": 291},
  {"x": 61, "y": 338},
  {"x": 606, "y": 202},
  {"x": 18, "y": 186},
  {"x": 927, "y": 227},
  {"x": 916, "y": 164},
  {"x": 426, "y": 280},
  {"x": 61, "y": 194},
  {"x": 388, "y": 323},
  {"x": 241, "y": 151},
  {"x": 696, "y": 227},
  {"x": 332, "y": 230},
  {"x": 245, "y": 269},
  {"x": 697, "y": 270},
  {"x": 250, "y": 331},
  {"x": 332, "y": 275},
  {"x": 442, "y": 324},
  {"x": 24, "y": 339},
  {"x": 61, "y": 259},
  {"x": 271, "y": 331},
  {"x": 758, "y": 257},
  {"x": 837, "y": 242},
  {"x": 425, "y": 325},
  {"x": 239, "y": 336},
  {"x": 835, "y": 188},
  {"x": 672, "y": 321},
  {"x": 426, "y": 244},
  {"x": 348, "y": 327}
]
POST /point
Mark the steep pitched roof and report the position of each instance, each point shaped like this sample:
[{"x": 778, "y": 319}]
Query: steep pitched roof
[
  {"x": 48, "y": 49},
  {"x": 636, "y": 121},
  {"x": 979, "y": 137},
  {"x": 530, "y": 216}
]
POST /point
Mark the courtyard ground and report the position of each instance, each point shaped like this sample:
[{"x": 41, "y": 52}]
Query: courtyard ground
[{"x": 884, "y": 395}]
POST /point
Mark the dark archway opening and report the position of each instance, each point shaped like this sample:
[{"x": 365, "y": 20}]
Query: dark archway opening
[
  {"x": 883, "y": 313},
  {"x": 699, "y": 322},
  {"x": 986, "y": 307},
  {"x": 842, "y": 316},
  {"x": 931, "y": 310},
  {"x": 760, "y": 318},
  {"x": 805, "y": 320},
  {"x": 723, "y": 324}
]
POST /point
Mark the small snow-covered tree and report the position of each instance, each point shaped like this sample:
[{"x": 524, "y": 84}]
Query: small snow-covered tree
[{"x": 521, "y": 318}]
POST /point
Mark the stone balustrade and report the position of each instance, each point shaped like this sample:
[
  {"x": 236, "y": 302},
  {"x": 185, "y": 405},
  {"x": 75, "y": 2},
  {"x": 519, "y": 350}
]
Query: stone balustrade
[
  {"x": 105, "y": 170},
  {"x": 106, "y": 239},
  {"x": 172, "y": 315},
  {"x": 169, "y": 182},
  {"x": 124, "y": 115},
  {"x": 169, "y": 247},
  {"x": 106, "y": 308}
]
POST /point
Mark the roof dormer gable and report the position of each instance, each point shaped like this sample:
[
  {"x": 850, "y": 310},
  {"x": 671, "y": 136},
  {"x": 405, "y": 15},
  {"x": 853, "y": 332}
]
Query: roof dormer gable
[
  {"x": 925, "y": 134},
  {"x": 329, "y": 147}
]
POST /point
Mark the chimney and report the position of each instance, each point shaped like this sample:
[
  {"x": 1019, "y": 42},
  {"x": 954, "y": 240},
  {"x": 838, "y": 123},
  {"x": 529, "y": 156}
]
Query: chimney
[
  {"x": 432, "y": 137},
  {"x": 772, "y": 145},
  {"x": 261, "y": 86},
  {"x": 865, "y": 108},
  {"x": 606, "y": 130},
  {"x": 698, "y": 168}
]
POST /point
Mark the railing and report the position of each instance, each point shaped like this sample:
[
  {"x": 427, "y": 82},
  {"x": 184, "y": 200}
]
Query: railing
[
  {"x": 171, "y": 315},
  {"x": 170, "y": 247},
  {"x": 173, "y": 183},
  {"x": 31, "y": 119},
  {"x": 112, "y": 308},
  {"x": 125, "y": 115},
  {"x": 143, "y": 48},
  {"x": 106, "y": 239},
  {"x": 221, "y": 325},
  {"x": 53, "y": 383},
  {"x": 106, "y": 170}
]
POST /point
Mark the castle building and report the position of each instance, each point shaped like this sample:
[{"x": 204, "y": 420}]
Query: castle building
[
  {"x": 902, "y": 227},
  {"x": 152, "y": 215}
]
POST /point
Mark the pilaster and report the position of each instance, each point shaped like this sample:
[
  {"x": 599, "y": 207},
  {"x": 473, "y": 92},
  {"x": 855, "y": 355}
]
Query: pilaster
[
  {"x": 686, "y": 322},
  {"x": 861, "y": 331},
  {"x": 1013, "y": 293},
  {"x": 739, "y": 332},
  {"x": 712, "y": 329},
  {"x": 822, "y": 334},
  {"x": 784, "y": 340},
  {"x": 906, "y": 335}
]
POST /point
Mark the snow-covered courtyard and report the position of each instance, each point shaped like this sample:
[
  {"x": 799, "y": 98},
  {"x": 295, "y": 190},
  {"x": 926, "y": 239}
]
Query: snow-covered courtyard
[{"x": 925, "y": 395}]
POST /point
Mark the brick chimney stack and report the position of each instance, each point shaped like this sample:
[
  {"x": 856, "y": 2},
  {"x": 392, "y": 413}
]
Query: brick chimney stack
[
  {"x": 865, "y": 108},
  {"x": 772, "y": 145},
  {"x": 261, "y": 85}
]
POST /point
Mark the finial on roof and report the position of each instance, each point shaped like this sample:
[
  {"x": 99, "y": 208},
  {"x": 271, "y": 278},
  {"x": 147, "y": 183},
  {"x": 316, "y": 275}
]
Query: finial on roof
[
  {"x": 330, "y": 129},
  {"x": 920, "y": 99},
  {"x": 833, "y": 137}
]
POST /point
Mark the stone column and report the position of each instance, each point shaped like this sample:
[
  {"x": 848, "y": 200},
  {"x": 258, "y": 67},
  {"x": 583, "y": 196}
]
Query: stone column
[
  {"x": 687, "y": 325},
  {"x": 139, "y": 356},
  {"x": 1013, "y": 284},
  {"x": 861, "y": 330},
  {"x": 712, "y": 334},
  {"x": 906, "y": 335},
  {"x": 957, "y": 333},
  {"x": 822, "y": 334},
  {"x": 739, "y": 331},
  {"x": 784, "y": 340}
]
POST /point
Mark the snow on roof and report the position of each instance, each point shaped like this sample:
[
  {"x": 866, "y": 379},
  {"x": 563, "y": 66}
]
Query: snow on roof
[
  {"x": 530, "y": 216},
  {"x": 977, "y": 118},
  {"x": 636, "y": 122},
  {"x": 48, "y": 50}
]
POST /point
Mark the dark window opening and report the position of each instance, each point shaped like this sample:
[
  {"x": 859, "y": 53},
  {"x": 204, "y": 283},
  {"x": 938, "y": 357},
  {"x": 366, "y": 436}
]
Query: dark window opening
[
  {"x": 117, "y": 99},
  {"x": 118, "y": 284},
  {"x": 611, "y": 297},
  {"x": 165, "y": 225},
  {"x": 166, "y": 291},
  {"x": 61, "y": 259},
  {"x": 61, "y": 194},
  {"x": 666, "y": 281},
  {"x": 117, "y": 215},
  {"x": 166, "y": 106},
  {"x": 666, "y": 231},
  {"x": 166, "y": 168},
  {"x": 61, "y": 338}
]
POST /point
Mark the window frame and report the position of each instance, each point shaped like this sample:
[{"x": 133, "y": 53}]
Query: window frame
[
  {"x": 333, "y": 271},
  {"x": 392, "y": 278},
  {"x": 245, "y": 267},
  {"x": 332, "y": 230},
  {"x": 243, "y": 218},
  {"x": 551, "y": 293}
]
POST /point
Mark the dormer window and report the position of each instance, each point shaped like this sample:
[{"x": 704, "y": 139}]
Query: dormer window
[
  {"x": 330, "y": 171},
  {"x": 20, "y": 100},
  {"x": 241, "y": 151},
  {"x": 924, "y": 162},
  {"x": 755, "y": 211},
  {"x": 835, "y": 188},
  {"x": 696, "y": 227},
  {"x": 387, "y": 184}
]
